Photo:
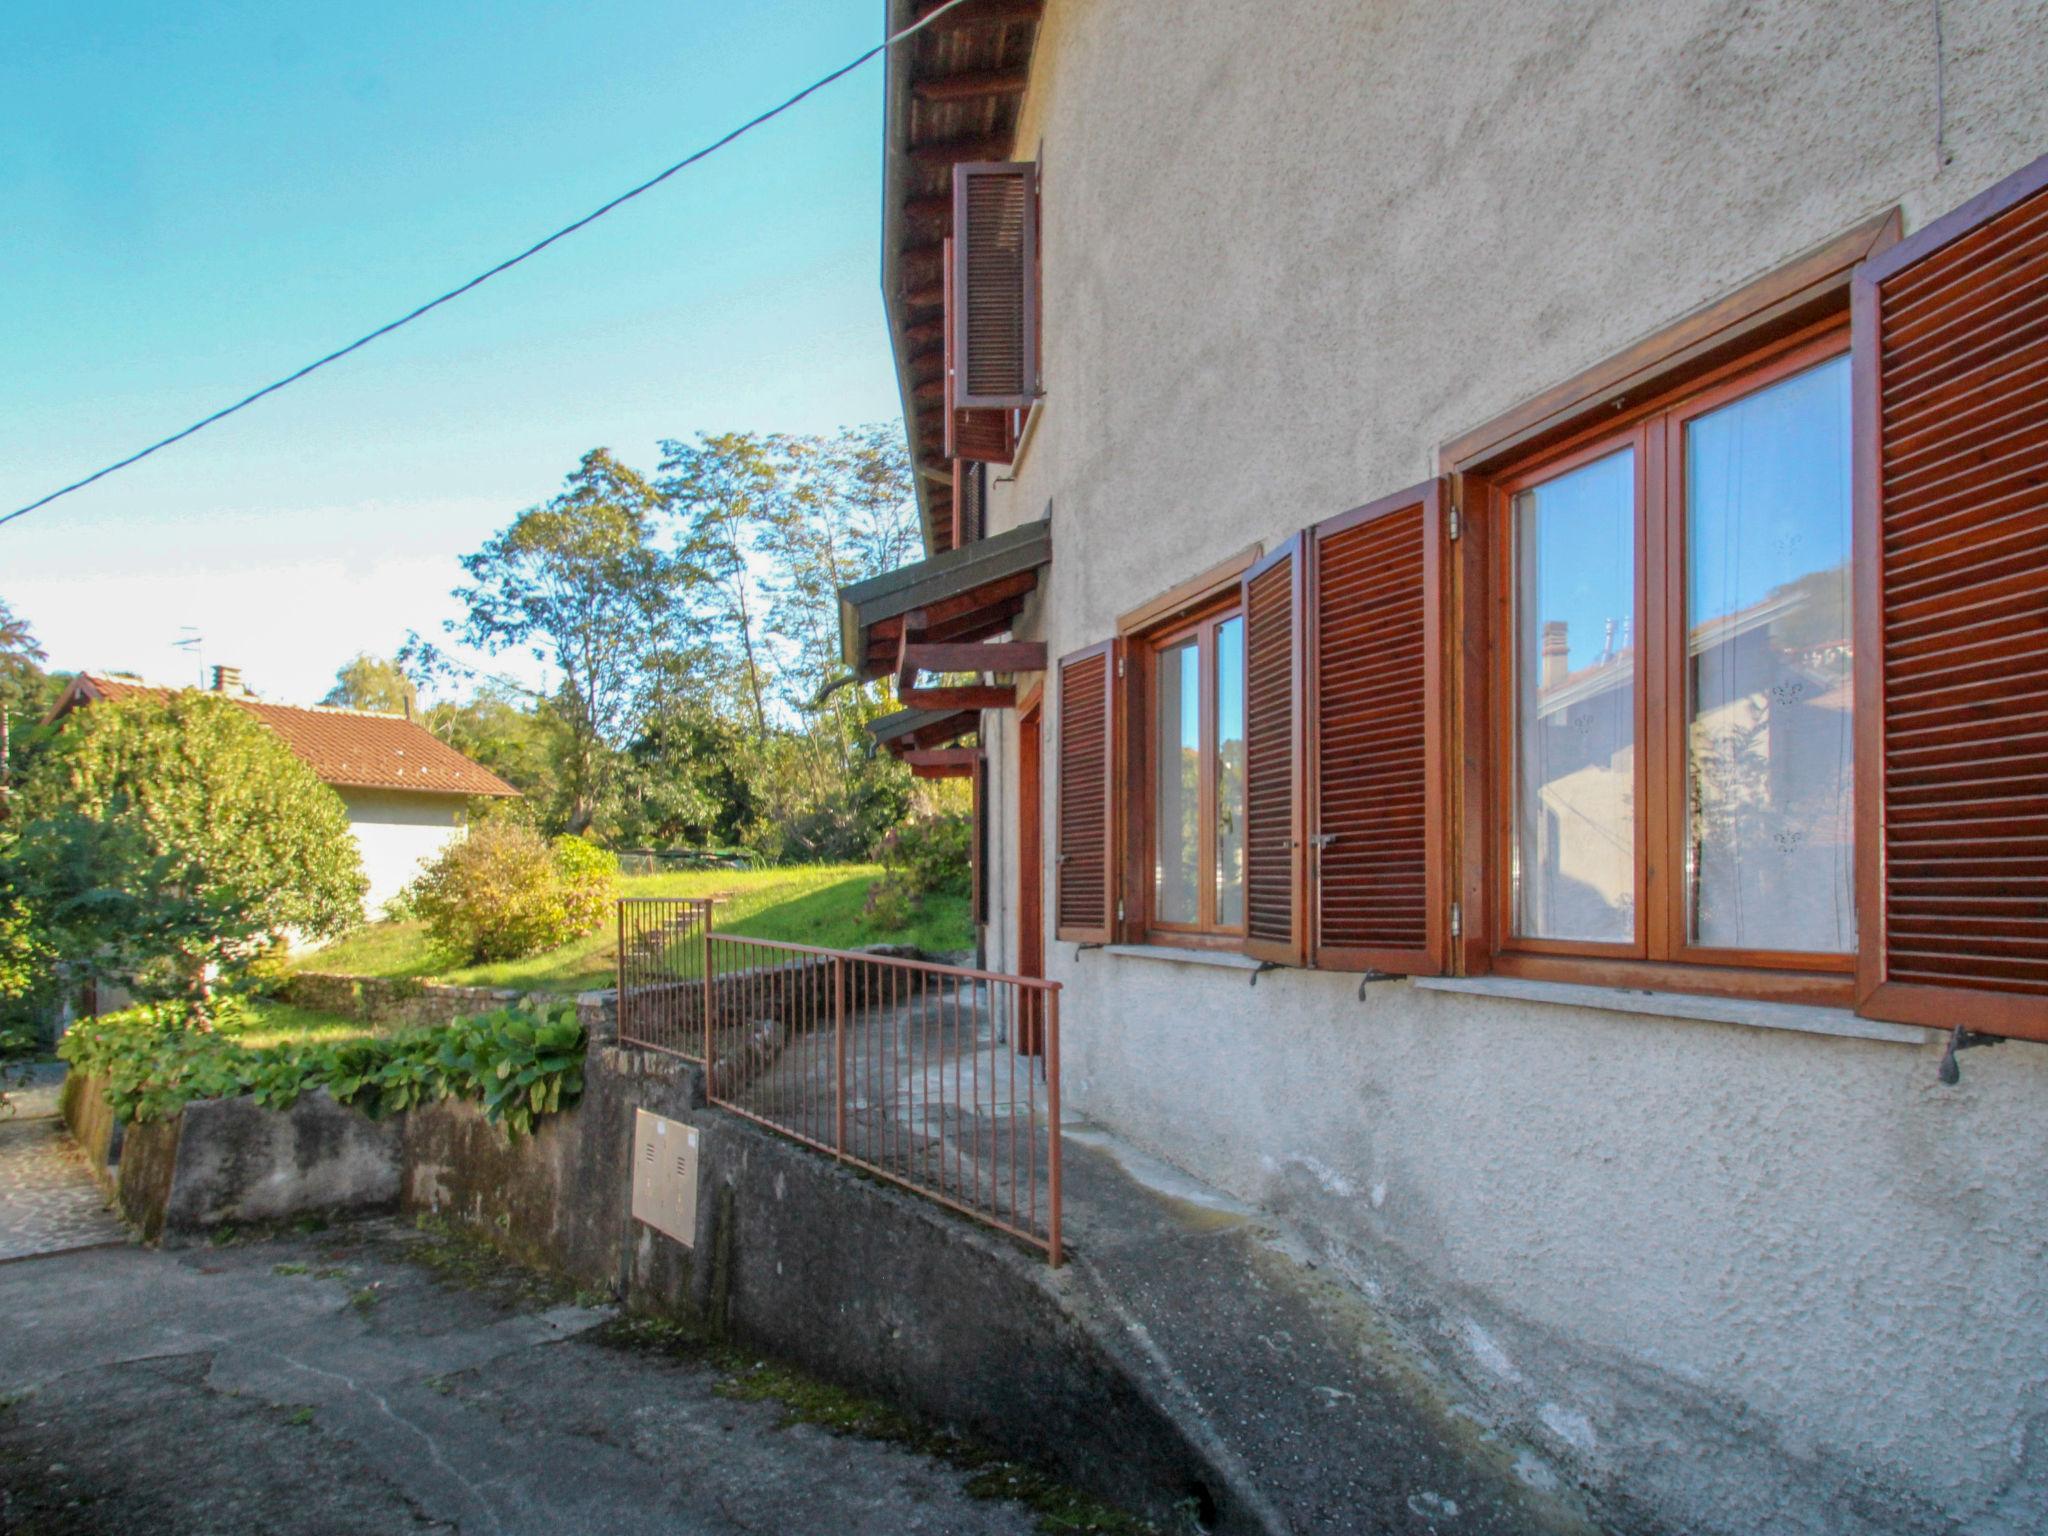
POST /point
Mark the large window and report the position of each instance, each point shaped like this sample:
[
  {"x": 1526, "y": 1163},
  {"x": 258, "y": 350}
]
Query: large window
[
  {"x": 1195, "y": 685},
  {"x": 1678, "y": 738}
]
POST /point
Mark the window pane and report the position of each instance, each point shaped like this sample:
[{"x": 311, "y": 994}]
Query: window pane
[
  {"x": 1178, "y": 793},
  {"x": 1770, "y": 734},
  {"x": 1230, "y": 773},
  {"x": 1575, "y": 749}
]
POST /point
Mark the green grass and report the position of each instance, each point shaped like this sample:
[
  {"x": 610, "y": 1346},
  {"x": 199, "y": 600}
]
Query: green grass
[
  {"x": 819, "y": 904},
  {"x": 271, "y": 1022}
]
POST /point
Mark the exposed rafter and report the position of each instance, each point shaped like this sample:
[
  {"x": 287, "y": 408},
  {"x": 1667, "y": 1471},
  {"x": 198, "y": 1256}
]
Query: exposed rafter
[{"x": 973, "y": 84}]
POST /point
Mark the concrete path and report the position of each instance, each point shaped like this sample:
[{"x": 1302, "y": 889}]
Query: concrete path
[
  {"x": 48, "y": 1200},
  {"x": 335, "y": 1384}
]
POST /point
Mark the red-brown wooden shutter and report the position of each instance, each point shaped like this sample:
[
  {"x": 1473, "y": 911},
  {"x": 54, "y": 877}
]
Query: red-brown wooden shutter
[
  {"x": 1084, "y": 881},
  {"x": 983, "y": 436},
  {"x": 1276, "y": 925},
  {"x": 1378, "y": 835},
  {"x": 1951, "y": 558},
  {"x": 995, "y": 284}
]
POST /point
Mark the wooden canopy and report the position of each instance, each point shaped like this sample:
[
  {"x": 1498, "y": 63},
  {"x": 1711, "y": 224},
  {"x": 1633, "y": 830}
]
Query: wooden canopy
[{"x": 942, "y": 605}]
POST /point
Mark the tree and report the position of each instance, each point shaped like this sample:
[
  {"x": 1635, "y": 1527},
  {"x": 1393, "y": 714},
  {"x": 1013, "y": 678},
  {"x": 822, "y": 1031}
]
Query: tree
[
  {"x": 517, "y": 738},
  {"x": 723, "y": 490},
  {"x": 582, "y": 585},
  {"x": 165, "y": 841},
  {"x": 372, "y": 683}
]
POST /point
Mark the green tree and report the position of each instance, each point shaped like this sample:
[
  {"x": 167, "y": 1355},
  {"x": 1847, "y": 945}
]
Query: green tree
[
  {"x": 372, "y": 683},
  {"x": 518, "y": 738},
  {"x": 723, "y": 490},
  {"x": 582, "y": 585},
  {"x": 165, "y": 841}
]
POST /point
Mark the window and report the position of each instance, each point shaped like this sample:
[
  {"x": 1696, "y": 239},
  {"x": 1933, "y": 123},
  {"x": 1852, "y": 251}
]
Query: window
[
  {"x": 1675, "y": 705},
  {"x": 1194, "y": 691}
]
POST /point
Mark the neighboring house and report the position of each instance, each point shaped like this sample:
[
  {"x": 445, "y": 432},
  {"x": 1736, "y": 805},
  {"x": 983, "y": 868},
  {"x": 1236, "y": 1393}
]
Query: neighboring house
[
  {"x": 406, "y": 790},
  {"x": 1422, "y": 522}
]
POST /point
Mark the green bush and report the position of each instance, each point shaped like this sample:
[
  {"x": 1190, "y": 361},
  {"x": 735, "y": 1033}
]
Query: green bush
[
  {"x": 934, "y": 854},
  {"x": 520, "y": 1063},
  {"x": 504, "y": 892}
]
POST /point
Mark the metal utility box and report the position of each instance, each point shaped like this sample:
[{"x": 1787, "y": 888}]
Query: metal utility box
[{"x": 665, "y": 1176}]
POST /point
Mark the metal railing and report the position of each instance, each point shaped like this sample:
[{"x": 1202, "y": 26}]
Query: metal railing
[
  {"x": 661, "y": 972},
  {"x": 940, "y": 1078}
]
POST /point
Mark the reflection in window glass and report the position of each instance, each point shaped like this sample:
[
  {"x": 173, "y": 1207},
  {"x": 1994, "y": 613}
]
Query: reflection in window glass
[
  {"x": 1179, "y": 787},
  {"x": 1770, "y": 738},
  {"x": 1230, "y": 773},
  {"x": 1575, "y": 748}
]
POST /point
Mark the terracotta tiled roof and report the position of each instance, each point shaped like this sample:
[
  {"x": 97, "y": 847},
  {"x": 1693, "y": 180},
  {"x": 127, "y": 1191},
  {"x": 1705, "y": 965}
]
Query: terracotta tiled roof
[{"x": 346, "y": 747}]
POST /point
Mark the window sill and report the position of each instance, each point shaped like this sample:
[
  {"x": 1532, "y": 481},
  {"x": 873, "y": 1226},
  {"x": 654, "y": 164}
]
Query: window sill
[
  {"x": 1797, "y": 1017},
  {"x": 1220, "y": 959}
]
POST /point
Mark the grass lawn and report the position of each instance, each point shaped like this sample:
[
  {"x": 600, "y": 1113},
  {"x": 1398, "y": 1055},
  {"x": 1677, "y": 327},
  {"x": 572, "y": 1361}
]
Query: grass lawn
[
  {"x": 818, "y": 904},
  {"x": 276, "y": 1023}
]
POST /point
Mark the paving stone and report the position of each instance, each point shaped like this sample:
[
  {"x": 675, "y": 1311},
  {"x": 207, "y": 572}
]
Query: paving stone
[{"x": 48, "y": 1200}]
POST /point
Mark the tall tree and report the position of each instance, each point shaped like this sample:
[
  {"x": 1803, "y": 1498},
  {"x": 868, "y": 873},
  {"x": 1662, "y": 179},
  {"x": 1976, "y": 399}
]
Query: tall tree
[
  {"x": 372, "y": 683},
  {"x": 582, "y": 585},
  {"x": 723, "y": 490}
]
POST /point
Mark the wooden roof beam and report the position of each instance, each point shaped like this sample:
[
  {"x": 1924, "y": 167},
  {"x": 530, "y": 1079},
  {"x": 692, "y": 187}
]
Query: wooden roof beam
[
  {"x": 978, "y": 696},
  {"x": 981, "y": 13},
  {"x": 942, "y": 762},
  {"x": 992, "y": 146},
  {"x": 976, "y": 656},
  {"x": 972, "y": 84}
]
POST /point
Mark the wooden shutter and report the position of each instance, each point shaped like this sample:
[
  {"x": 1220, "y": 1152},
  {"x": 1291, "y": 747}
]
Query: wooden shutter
[
  {"x": 1379, "y": 854},
  {"x": 983, "y": 436},
  {"x": 995, "y": 284},
  {"x": 1084, "y": 880},
  {"x": 1275, "y": 895},
  {"x": 970, "y": 495},
  {"x": 1951, "y": 560}
]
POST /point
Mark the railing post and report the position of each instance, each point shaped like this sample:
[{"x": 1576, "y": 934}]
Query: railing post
[
  {"x": 1052, "y": 1115},
  {"x": 709, "y": 995},
  {"x": 619, "y": 968},
  {"x": 839, "y": 1049}
]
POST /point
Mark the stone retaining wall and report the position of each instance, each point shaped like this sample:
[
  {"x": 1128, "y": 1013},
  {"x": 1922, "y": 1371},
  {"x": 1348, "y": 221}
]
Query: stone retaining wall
[{"x": 397, "y": 1000}]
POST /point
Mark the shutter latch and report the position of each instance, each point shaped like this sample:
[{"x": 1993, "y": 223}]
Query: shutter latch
[
  {"x": 1457, "y": 920},
  {"x": 1457, "y": 523},
  {"x": 1961, "y": 1039}
]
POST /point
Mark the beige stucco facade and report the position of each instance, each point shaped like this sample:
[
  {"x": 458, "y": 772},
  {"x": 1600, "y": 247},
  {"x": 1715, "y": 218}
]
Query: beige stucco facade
[
  {"x": 397, "y": 832},
  {"x": 1758, "y": 1278}
]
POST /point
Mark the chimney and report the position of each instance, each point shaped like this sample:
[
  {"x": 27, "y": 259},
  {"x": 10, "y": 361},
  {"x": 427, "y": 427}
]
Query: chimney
[
  {"x": 228, "y": 680},
  {"x": 1556, "y": 648}
]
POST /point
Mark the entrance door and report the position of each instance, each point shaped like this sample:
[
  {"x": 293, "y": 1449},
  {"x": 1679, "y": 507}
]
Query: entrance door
[{"x": 1030, "y": 869}]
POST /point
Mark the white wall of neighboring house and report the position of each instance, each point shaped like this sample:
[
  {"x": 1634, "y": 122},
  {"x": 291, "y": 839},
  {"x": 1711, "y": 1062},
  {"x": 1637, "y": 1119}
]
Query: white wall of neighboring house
[
  {"x": 397, "y": 832},
  {"x": 1767, "y": 1279}
]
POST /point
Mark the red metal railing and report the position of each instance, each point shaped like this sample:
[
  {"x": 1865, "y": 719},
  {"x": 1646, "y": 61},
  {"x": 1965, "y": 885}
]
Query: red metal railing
[
  {"x": 940, "y": 1078},
  {"x": 661, "y": 972}
]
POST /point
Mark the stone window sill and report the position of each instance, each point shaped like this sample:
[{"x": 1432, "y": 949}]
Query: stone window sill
[
  {"x": 1219, "y": 959},
  {"x": 1799, "y": 1018}
]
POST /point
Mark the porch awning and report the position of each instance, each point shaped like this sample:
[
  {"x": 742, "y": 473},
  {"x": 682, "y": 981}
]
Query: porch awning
[
  {"x": 911, "y": 730},
  {"x": 964, "y": 594}
]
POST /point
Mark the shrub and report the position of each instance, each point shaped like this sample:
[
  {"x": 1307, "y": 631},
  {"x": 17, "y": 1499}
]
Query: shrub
[
  {"x": 520, "y": 1063},
  {"x": 934, "y": 854},
  {"x": 504, "y": 892}
]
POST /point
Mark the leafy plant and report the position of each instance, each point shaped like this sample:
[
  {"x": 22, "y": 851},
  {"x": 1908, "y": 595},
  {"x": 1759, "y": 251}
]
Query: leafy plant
[
  {"x": 520, "y": 1063},
  {"x": 504, "y": 892}
]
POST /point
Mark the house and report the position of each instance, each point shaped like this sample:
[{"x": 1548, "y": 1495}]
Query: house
[
  {"x": 1489, "y": 565},
  {"x": 406, "y": 791}
]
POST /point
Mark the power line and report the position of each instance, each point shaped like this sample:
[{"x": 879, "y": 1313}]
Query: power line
[{"x": 483, "y": 277}]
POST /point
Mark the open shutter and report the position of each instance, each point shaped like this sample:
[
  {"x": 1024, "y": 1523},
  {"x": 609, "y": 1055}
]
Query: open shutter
[
  {"x": 1377, "y": 769},
  {"x": 1084, "y": 881},
  {"x": 1276, "y": 926},
  {"x": 982, "y": 436},
  {"x": 995, "y": 284},
  {"x": 1951, "y": 558}
]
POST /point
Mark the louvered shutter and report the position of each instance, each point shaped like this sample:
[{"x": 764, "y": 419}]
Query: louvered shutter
[
  {"x": 1951, "y": 557},
  {"x": 1378, "y": 854},
  {"x": 1275, "y": 895},
  {"x": 970, "y": 492},
  {"x": 995, "y": 284},
  {"x": 1084, "y": 877},
  {"x": 983, "y": 436}
]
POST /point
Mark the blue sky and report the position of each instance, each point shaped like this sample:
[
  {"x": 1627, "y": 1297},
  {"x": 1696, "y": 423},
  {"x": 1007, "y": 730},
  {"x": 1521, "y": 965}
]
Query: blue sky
[{"x": 202, "y": 197}]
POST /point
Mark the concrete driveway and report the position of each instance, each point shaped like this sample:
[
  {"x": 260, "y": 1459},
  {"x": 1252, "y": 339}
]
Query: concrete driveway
[{"x": 376, "y": 1379}]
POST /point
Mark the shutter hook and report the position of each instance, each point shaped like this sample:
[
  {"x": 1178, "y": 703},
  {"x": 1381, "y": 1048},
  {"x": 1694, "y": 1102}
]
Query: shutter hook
[
  {"x": 1263, "y": 967},
  {"x": 1372, "y": 976},
  {"x": 1961, "y": 1039}
]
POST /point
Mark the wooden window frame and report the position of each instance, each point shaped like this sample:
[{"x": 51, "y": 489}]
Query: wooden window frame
[
  {"x": 1660, "y": 955},
  {"x": 1141, "y": 882}
]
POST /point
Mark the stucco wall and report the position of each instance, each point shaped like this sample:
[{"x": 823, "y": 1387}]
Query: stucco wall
[
  {"x": 397, "y": 831},
  {"x": 1768, "y": 1281}
]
